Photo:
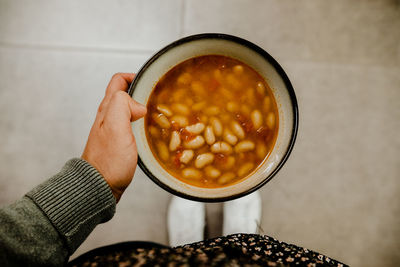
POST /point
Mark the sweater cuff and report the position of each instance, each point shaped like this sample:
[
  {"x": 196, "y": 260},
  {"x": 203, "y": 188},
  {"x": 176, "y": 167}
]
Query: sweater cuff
[{"x": 75, "y": 200}]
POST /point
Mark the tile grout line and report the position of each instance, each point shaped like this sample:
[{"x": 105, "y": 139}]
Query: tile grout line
[
  {"x": 72, "y": 48},
  {"x": 182, "y": 19}
]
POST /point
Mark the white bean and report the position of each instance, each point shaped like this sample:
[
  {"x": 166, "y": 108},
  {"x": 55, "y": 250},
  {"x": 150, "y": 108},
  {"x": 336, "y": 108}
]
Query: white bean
[
  {"x": 198, "y": 88},
  {"x": 212, "y": 172},
  {"x": 164, "y": 110},
  {"x": 225, "y": 117},
  {"x": 221, "y": 147},
  {"x": 203, "y": 160},
  {"x": 180, "y": 120},
  {"x": 217, "y": 126},
  {"x": 245, "y": 109},
  {"x": 226, "y": 178},
  {"x": 237, "y": 129},
  {"x": 178, "y": 95},
  {"x": 271, "y": 120},
  {"x": 203, "y": 118},
  {"x": 161, "y": 120},
  {"x": 232, "y": 81},
  {"x": 209, "y": 135},
  {"x": 175, "y": 141},
  {"x": 226, "y": 94},
  {"x": 180, "y": 108},
  {"x": 191, "y": 173},
  {"x": 218, "y": 75},
  {"x": 185, "y": 78},
  {"x": 195, "y": 128},
  {"x": 229, "y": 137},
  {"x": 238, "y": 69},
  {"x": 245, "y": 169},
  {"x": 260, "y": 88},
  {"x": 244, "y": 146},
  {"x": 163, "y": 151},
  {"x": 213, "y": 110},
  {"x": 256, "y": 118},
  {"x": 261, "y": 150},
  {"x": 196, "y": 142},
  {"x": 230, "y": 162},
  {"x": 199, "y": 106},
  {"x": 266, "y": 103},
  {"x": 186, "y": 156},
  {"x": 232, "y": 107},
  {"x": 154, "y": 131}
]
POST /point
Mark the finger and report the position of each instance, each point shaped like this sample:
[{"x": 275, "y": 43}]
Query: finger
[
  {"x": 118, "y": 82},
  {"x": 121, "y": 111},
  {"x": 137, "y": 110}
]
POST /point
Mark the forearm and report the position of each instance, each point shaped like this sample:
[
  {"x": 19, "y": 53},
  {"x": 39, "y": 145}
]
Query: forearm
[{"x": 51, "y": 221}]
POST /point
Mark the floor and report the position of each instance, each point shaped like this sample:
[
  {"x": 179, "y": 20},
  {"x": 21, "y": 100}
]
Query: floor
[{"x": 339, "y": 191}]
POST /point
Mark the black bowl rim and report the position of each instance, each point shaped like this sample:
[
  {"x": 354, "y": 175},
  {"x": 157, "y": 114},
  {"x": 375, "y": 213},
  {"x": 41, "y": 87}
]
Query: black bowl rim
[{"x": 277, "y": 67}]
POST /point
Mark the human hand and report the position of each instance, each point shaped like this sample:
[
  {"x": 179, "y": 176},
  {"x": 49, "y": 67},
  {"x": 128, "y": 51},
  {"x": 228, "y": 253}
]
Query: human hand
[{"x": 111, "y": 146}]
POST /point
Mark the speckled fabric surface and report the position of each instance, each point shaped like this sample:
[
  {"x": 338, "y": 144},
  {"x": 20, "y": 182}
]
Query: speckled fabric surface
[{"x": 232, "y": 250}]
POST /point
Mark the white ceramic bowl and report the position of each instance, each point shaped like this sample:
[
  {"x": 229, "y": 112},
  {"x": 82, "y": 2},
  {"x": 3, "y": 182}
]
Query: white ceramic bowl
[{"x": 252, "y": 55}]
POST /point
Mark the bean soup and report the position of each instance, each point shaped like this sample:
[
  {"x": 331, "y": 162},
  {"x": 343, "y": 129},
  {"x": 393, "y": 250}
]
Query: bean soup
[{"x": 211, "y": 121}]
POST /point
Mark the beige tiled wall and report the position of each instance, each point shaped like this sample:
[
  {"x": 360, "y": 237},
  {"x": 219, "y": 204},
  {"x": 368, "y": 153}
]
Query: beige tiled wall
[{"x": 339, "y": 191}]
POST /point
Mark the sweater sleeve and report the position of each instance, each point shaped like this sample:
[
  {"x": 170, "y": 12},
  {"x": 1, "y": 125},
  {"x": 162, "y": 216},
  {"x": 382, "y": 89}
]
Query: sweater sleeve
[{"x": 48, "y": 224}]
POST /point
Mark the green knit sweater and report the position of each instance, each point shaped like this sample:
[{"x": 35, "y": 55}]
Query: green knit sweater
[{"x": 50, "y": 222}]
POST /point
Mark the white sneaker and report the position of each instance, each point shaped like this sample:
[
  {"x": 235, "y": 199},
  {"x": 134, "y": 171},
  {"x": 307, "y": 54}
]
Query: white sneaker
[
  {"x": 242, "y": 215},
  {"x": 186, "y": 221}
]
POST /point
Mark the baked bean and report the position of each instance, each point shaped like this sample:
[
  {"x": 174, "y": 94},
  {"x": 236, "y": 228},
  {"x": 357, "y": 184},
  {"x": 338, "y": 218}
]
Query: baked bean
[
  {"x": 161, "y": 120},
  {"x": 226, "y": 178},
  {"x": 163, "y": 151},
  {"x": 217, "y": 126},
  {"x": 212, "y": 172},
  {"x": 195, "y": 128},
  {"x": 175, "y": 141},
  {"x": 209, "y": 135},
  {"x": 237, "y": 129},
  {"x": 186, "y": 156},
  {"x": 203, "y": 160},
  {"x": 180, "y": 109},
  {"x": 191, "y": 173},
  {"x": 271, "y": 120},
  {"x": 181, "y": 121},
  {"x": 196, "y": 142},
  {"x": 229, "y": 137},
  {"x": 245, "y": 169},
  {"x": 244, "y": 146},
  {"x": 164, "y": 110},
  {"x": 256, "y": 118},
  {"x": 221, "y": 147}
]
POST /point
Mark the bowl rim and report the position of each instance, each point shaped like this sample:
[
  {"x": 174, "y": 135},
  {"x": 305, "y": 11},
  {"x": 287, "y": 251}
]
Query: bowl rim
[{"x": 281, "y": 73}]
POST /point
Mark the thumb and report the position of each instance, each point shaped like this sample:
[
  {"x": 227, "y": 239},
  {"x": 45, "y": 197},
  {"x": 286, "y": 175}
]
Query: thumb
[{"x": 137, "y": 110}]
